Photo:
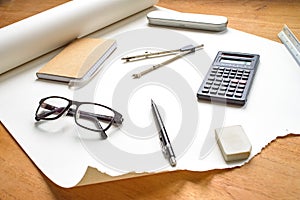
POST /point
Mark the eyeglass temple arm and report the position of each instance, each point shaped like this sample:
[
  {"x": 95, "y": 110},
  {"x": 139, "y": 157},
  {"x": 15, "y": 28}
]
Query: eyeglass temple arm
[
  {"x": 106, "y": 118},
  {"x": 90, "y": 117},
  {"x": 53, "y": 110},
  {"x": 97, "y": 123}
]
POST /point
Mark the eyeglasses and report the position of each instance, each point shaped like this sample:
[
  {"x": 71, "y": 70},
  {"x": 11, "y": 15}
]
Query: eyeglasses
[{"x": 91, "y": 116}]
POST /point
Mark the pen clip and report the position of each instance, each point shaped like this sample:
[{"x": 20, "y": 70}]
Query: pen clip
[{"x": 163, "y": 146}]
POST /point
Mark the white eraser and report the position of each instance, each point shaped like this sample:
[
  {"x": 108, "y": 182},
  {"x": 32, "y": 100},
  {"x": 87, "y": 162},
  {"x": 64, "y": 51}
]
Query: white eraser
[{"x": 233, "y": 142}]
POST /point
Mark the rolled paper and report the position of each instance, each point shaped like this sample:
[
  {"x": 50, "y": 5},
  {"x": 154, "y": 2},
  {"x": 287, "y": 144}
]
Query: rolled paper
[{"x": 32, "y": 37}]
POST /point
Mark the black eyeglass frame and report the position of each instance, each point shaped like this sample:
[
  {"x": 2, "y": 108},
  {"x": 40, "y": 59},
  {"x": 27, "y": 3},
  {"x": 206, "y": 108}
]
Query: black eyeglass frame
[{"x": 117, "y": 119}]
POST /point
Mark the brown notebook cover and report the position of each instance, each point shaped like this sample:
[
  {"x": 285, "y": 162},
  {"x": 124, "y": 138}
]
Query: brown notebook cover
[{"x": 77, "y": 59}]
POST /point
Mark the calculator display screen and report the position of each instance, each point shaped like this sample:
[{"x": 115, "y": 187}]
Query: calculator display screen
[{"x": 239, "y": 62}]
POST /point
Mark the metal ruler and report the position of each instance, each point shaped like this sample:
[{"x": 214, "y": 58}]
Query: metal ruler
[{"x": 291, "y": 42}]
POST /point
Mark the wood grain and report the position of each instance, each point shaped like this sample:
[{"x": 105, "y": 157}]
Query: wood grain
[
  {"x": 264, "y": 18},
  {"x": 12, "y": 11},
  {"x": 273, "y": 174}
]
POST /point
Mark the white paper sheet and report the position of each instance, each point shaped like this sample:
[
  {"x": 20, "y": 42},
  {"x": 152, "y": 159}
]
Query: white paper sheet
[{"x": 63, "y": 153}]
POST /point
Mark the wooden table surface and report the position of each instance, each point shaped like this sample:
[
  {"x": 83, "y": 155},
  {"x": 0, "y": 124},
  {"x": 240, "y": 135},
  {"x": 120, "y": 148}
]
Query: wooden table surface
[{"x": 273, "y": 174}]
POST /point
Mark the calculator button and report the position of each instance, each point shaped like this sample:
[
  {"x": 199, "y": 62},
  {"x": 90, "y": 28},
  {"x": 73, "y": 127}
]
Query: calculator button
[
  {"x": 206, "y": 86},
  {"x": 225, "y": 84},
  {"x": 221, "y": 93},
  {"x": 231, "y": 89},
  {"x": 214, "y": 71},
  {"x": 219, "y": 79},
  {"x": 227, "y": 69},
  {"x": 234, "y": 70},
  {"x": 222, "y": 88},
  {"x": 241, "y": 86},
  {"x": 226, "y": 80},
  {"x": 211, "y": 78},
  {"x": 239, "y": 95},
  {"x": 219, "y": 74},
  {"x": 240, "y": 90},
  {"x": 213, "y": 91},
  {"x": 217, "y": 83},
  {"x": 244, "y": 78},
  {"x": 229, "y": 94},
  {"x": 240, "y": 70},
  {"x": 243, "y": 82},
  {"x": 233, "y": 85},
  {"x": 234, "y": 81},
  {"x": 209, "y": 82},
  {"x": 238, "y": 77},
  {"x": 215, "y": 87},
  {"x": 205, "y": 90}
]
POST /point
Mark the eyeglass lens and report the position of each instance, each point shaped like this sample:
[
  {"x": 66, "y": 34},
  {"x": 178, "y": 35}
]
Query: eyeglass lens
[
  {"x": 93, "y": 116},
  {"x": 51, "y": 108}
]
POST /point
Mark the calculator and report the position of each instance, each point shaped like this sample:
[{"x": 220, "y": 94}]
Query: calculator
[{"x": 229, "y": 78}]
